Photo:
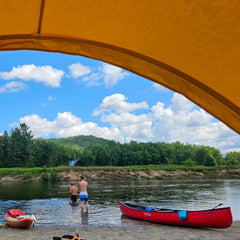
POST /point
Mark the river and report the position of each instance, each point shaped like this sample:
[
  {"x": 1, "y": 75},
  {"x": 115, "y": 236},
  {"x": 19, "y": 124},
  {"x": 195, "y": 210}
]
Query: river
[{"x": 49, "y": 202}]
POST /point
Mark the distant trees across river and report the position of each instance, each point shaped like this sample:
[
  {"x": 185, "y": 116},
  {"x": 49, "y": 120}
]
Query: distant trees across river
[{"x": 20, "y": 149}]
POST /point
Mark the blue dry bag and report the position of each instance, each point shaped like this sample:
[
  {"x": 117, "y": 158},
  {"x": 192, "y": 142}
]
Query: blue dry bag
[
  {"x": 182, "y": 215},
  {"x": 149, "y": 209}
]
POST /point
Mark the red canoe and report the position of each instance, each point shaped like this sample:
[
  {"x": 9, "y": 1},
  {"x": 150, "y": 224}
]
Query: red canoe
[
  {"x": 16, "y": 218},
  {"x": 212, "y": 218}
]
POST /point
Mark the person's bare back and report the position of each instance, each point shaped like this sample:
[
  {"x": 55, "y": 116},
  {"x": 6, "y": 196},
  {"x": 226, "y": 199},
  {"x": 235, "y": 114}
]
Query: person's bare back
[
  {"x": 73, "y": 191},
  {"x": 83, "y": 185},
  {"x": 83, "y": 193}
]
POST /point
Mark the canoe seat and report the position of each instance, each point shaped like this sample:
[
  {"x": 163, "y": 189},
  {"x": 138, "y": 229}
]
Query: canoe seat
[{"x": 165, "y": 210}]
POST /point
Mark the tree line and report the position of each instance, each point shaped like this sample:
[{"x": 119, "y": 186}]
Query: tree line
[
  {"x": 133, "y": 153},
  {"x": 20, "y": 149}
]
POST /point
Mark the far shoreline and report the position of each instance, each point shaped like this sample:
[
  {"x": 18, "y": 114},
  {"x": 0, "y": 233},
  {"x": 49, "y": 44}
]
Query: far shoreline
[{"x": 116, "y": 173}]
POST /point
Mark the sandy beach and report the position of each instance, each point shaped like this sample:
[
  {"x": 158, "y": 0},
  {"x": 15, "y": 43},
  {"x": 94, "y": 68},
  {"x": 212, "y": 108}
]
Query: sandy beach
[{"x": 148, "y": 231}]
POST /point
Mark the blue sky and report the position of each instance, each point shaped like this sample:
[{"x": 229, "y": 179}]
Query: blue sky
[{"x": 60, "y": 95}]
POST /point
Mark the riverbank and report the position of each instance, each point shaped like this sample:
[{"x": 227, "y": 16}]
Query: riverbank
[
  {"x": 114, "y": 174},
  {"x": 144, "y": 231}
]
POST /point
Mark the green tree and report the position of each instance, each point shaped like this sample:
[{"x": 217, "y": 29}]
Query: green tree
[
  {"x": 232, "y": 159},
  {"x": 203, "y": 157},
  {"x": 4, "y": 150},
  {"x": 86, "y": 158},
  {"x": 16, "y": 149}
]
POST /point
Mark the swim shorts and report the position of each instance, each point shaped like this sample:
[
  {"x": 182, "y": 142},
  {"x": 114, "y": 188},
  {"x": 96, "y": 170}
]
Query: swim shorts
[
  {"x": 74, "y": 198},
  {"x": 83, "y": 196}
]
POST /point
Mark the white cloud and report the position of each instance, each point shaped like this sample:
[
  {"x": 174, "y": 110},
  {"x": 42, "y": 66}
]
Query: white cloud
[
  {"x": 50, "y": 99},
  {"x": 13, "y": 124},
  {"x": 132, "y": 127},
  {"x": 78, "y": 70},
  {"x": 66, "y": 124},
  {"x": 44, "y": 74},
  {"x": 180, "y": 103},
  {"x": 93, "y": 79},
  {"x": 179, "y": 121},
  {"x": 112, "y": 74},
  {"x": 13, "y": 87},
  {"x": 107, "y": 74},
  {"x": 118, "y": 102}
]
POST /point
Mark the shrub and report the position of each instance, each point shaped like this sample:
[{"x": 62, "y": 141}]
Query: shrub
[
  {"x": 189, "y": 163},
  {"x": 27, "y": 175},
  {"x": 54, "y": 176},
  {"x": 44, "y": 177}
]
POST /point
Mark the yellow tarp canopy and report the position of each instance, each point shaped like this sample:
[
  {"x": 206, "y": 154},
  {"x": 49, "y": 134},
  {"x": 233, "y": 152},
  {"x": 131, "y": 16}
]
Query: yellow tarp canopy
[{"x": 191, "y": 47}]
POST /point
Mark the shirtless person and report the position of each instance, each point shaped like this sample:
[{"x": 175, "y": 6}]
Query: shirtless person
[
  {"x": 83, "y": 193},
  {"x": 73, "y": 191}
]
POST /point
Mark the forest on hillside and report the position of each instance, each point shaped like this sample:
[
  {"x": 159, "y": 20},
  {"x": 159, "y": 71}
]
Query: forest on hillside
[
  {"x": 79, "y": 142},
  {"x": 19, "y": 149}
]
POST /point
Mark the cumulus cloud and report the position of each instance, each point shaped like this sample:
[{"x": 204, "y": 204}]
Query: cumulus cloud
[
  {"x": 181, "y": 104},
  {"x": 118, "y": 103},
  {"x": 13, "y": 87},
  {"x": 179, "y": 121},
  {"x": 93, "y": 79},
  {"x": 78, "y": 70},
  {"x": 66, "y": 124},
  {"x": 132, "y": 126},
  {"x": 112, "y": 74},
  {"x": 106, "y": 74},
  {"x": 44, "y": 74}
]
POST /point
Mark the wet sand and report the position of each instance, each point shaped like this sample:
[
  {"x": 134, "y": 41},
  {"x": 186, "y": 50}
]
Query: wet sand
[{"x": 149, "y": 231}]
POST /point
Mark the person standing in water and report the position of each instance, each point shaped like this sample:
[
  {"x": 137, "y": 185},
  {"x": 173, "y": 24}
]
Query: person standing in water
[
  {"x": 83, "y": 193},
  {"x": 73, "y": 192}
]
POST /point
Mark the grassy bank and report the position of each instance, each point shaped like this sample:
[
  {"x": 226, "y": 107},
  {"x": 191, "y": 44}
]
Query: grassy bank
[
  {"x": 30, "y": 173},
  {"x": 128, "y": 172}
]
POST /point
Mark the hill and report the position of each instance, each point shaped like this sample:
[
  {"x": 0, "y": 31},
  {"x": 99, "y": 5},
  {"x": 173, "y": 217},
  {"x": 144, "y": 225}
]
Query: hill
[{"x": 79, "y": 141}]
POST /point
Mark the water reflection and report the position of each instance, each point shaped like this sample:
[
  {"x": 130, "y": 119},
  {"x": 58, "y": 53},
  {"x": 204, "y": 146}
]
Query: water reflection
[
  {"x": 84, "y": 218},
  {"x": 50, "y": 202},
  {"x": 127, "y": 221}
]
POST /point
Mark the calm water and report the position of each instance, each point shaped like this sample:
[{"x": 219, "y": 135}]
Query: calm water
[{"x": 49, "y": 202}]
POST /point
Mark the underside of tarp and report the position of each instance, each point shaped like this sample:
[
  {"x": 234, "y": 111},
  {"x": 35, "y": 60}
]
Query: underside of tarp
[{"x": 191, "y": 47}]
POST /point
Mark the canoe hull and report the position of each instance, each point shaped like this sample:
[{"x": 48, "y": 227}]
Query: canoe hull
[
  {"x": 17, "y": 222},
  {"x": 212, "y": 218}
]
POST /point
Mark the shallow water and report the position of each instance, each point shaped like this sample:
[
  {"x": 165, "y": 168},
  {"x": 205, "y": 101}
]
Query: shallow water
[{"x": 50, "y": 202}]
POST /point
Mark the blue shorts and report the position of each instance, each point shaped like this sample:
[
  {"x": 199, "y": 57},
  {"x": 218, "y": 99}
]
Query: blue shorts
[{"x": 83, "y": 196}]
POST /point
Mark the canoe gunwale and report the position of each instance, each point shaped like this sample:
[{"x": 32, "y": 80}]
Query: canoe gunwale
[{"x": 143, "y": 208}]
